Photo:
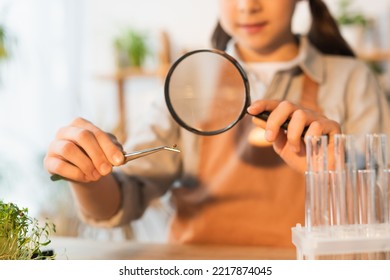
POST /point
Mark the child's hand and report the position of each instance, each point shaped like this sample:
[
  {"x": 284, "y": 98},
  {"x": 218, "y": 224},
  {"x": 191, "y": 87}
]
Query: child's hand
[
  {"x": 290, "y": 145},
  {"x": 82, "y": 152}
]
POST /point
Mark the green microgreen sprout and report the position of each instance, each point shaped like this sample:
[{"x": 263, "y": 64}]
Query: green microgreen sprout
[{"x": 21, "y": 236}]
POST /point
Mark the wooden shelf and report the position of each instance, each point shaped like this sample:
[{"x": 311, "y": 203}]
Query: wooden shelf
[
  {"x": 130, "y": 72},
  {"x": 119, "y": 77}
]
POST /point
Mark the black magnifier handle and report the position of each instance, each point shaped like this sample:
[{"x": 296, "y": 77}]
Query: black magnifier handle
[{"x": 265, "y": 114}]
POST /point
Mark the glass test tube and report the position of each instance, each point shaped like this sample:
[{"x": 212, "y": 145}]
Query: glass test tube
[
  {"x": 309, "y": 200},
  {"x": 346, "y": 172},
  {"x": 316, "y": 209},
  {"x": 376, "y": 151},
  {"x": 376, "y": 159},
  {"x": 386, "y": 187},
  {"x": 366, "y": 196},
  {"x": 337, "y": 199}
]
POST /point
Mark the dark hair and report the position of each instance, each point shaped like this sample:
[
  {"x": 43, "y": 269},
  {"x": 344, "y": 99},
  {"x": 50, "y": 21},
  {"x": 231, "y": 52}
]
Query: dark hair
[
  {"x": 324, "y": 33},
  {"x": 220, "y": 38}
]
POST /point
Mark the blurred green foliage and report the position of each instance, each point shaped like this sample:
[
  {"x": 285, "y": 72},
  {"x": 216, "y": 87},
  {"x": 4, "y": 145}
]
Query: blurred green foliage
[
  {"x": 131, "y": 47},
  {"x": 347, "y": 16}
]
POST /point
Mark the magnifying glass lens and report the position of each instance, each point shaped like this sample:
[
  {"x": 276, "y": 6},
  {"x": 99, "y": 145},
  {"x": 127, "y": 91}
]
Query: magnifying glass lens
[{"x": 205, "y": 92}]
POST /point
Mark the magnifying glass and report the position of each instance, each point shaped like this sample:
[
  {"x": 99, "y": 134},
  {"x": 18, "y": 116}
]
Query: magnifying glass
[{"x": 207, "y": 92}]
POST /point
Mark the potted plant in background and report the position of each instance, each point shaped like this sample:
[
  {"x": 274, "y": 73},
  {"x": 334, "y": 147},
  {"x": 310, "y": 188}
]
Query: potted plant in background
[
  {"x": 131, "y": 48},
  {"x": 22, "y": 237},
  {"x": 4, "y": 48},
  {"x": 4, "y": 53},
  {"x": 352, "y": 24}
]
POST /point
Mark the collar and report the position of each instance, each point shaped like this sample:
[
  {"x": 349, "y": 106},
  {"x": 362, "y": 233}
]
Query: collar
[{"x": 310, "y": 59}]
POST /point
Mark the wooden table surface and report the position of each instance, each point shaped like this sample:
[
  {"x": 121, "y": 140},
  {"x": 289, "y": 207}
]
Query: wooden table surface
[{"x": 86, "y": 249}]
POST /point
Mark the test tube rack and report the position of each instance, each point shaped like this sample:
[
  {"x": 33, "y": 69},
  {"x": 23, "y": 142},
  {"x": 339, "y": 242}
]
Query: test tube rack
[
  {"x": 325, "y": 235},
  {"x": 342, "y": 242}
]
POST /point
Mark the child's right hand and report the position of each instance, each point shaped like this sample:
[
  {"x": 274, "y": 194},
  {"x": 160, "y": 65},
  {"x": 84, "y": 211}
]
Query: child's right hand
[{"x": 82, "y": 152}]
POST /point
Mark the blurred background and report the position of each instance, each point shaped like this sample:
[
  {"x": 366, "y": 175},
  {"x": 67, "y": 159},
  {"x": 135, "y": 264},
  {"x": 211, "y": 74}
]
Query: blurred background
[{"x": 105, "y": 60}]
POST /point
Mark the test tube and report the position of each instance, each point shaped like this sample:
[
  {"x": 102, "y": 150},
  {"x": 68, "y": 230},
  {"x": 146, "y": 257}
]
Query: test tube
[
  {"x": 376, "y": 159},
  {"x": 366, "y": 196},
  {"x": 376, "y": 152},
  {"x": 338, "y": 202},
  {"x": 346, "y": 165},
  {"x": 309, "y": 200},
  {"x": 317, "y": 212},
  {"x": 317, "y": 153},
  {"x": 386, "y": 188}
]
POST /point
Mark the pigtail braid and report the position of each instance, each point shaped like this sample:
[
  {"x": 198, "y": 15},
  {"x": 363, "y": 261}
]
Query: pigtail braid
[
  {"x": 324, "y": 32},
  {"x": 220, "y": 38}
]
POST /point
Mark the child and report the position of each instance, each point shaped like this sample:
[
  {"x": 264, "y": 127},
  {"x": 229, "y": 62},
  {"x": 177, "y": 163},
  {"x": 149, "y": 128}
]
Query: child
[{"x": 232, "y": 188}]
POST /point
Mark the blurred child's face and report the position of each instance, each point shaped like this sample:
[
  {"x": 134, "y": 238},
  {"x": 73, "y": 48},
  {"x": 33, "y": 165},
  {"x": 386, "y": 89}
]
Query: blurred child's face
[{"x": 258, "y": 25}]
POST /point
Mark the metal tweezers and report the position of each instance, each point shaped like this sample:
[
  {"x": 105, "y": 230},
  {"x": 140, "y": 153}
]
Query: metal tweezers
[
  {"x": 134, "y": 155},
  {"x": 131, "y": 156}
]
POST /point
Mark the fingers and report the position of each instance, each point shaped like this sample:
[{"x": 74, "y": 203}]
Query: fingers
[
  {"x": 280, "y": 112},
  {"x": 58, "y": 166},
  {"x": 77, "y": 144},
  {"x": 289, "y": 144},
  {"x": 283, "y": 113},
  {"x": 324, "y": 126},
  {"x": 82, "y": 152},
  {"x": 271, "y": 128},
  {"x": 277, "y": 118},
  {"x": 329, "y": 128},
  {"x": 262, "y": 105},
  {"x": 107, "y": 142},
  {"x": 300, "y": 122}
]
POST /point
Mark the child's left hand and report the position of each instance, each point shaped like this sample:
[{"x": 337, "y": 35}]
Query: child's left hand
[{"x": 290, "y": 145}]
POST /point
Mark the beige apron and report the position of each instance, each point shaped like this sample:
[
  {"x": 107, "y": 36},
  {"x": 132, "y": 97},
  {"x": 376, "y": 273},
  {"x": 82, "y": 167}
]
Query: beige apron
[{"x": 246, "y": 195}]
